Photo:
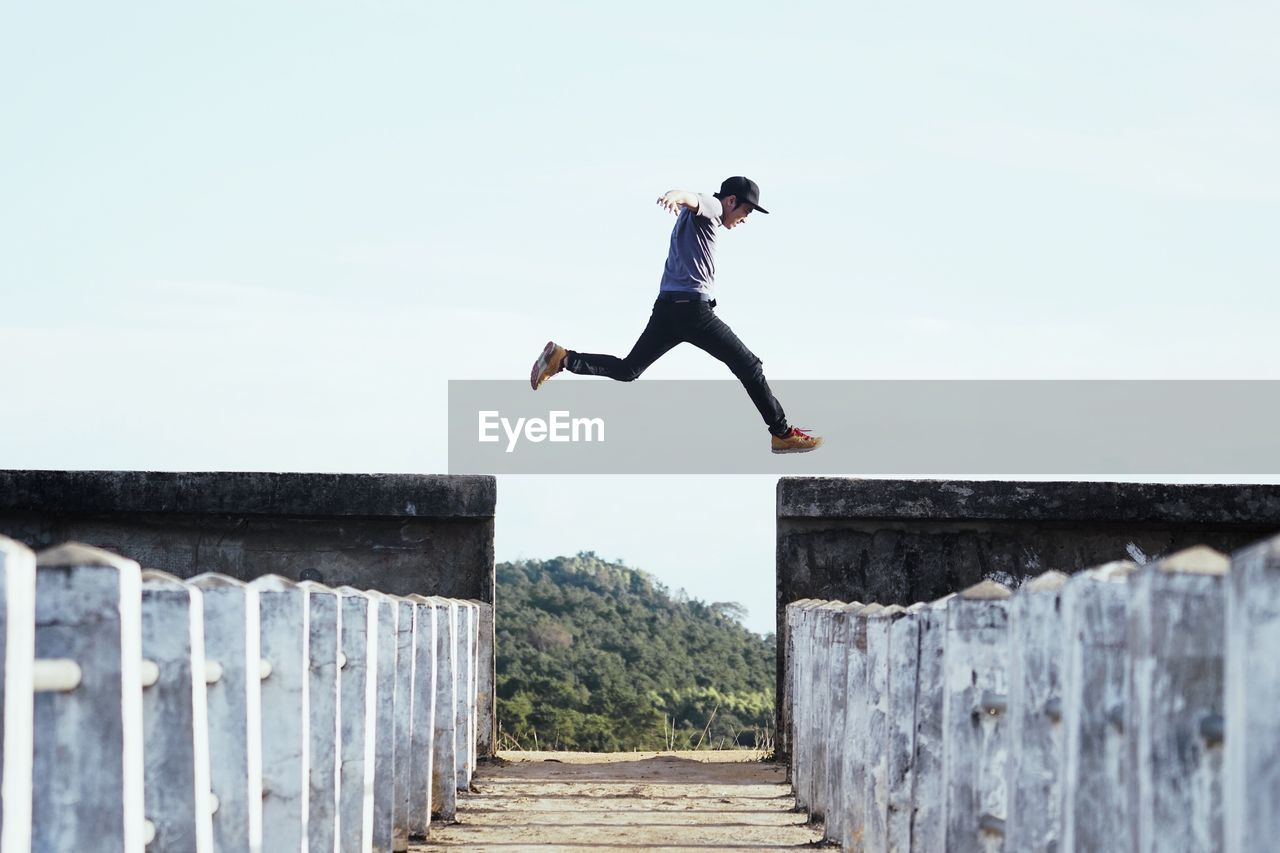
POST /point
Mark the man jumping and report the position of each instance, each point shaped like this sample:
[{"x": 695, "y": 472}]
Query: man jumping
[{"x": 684, "y": 311}]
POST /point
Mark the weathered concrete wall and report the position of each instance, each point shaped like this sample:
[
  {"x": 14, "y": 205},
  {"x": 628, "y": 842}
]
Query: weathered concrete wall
[
  {"x": 396, "y": 533},
  {"x": 900, "y": 541}
]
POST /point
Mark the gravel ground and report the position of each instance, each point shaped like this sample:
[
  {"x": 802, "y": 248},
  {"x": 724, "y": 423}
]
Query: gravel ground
[{"x": 668, "y": 801}]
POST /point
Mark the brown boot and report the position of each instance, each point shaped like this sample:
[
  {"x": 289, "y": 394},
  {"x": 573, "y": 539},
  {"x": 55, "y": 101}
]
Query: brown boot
[
  {"x": 548, "y": 364},
  {"x": 795, "y": 441}
]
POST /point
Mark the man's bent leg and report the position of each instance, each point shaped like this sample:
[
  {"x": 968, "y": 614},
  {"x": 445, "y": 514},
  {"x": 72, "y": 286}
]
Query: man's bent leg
[{"x": 714, "y": 337}]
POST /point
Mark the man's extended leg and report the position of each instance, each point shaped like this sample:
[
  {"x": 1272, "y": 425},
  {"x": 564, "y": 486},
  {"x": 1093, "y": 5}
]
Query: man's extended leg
[{"x": 656, "y": 340}]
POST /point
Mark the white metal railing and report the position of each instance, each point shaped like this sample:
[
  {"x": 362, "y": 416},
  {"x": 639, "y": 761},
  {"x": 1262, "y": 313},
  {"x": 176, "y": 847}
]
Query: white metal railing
[
  {"x": 146, "y": 712},
  {"x": 1123, "y": 708}
]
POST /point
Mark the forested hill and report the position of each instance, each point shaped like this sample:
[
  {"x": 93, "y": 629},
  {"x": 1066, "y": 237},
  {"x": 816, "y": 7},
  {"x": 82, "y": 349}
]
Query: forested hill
[{"x": 596, "y": 656}]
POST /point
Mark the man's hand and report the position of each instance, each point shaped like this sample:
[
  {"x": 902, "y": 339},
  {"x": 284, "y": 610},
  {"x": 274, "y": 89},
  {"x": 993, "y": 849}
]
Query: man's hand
[{"x": 676, "y": 199}]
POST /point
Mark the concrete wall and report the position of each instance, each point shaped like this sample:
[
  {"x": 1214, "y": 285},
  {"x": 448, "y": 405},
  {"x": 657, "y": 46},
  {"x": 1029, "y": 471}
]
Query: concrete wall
[
  {"x": 900, "y": 541},
  {"x": 396, "y": 533}
]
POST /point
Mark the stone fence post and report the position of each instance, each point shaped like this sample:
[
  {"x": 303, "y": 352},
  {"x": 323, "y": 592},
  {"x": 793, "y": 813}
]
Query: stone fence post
[
  {"x": 928, "y": 793},
  {"x": 1251, "y": 775},
  {"x": 821, "y": 686},
  {"x": 444, "y": 788},
  {"x": 87, "y": 739},
  {"x": 1035, "y": 711},
  {"x": 854, "y": 739},
  {"x": 904, "y": 662},
  {"x": 837, "y": 658},
  {"x": 1094, "y": 809},
  {"x": 486, "y": 710},
  {"x": 357, "y": 712},
  {"x": 17, "y": 651},
  {"x": 285, "y": 625},
  {"x": 424, "y": 715},
  {"x": 973, "y": 718},
  {"x": 876, "y": 753},
  {"x": 406, "y": 639},
  {"x": 323, "y": 666},
  {"x": 174, "y": 715},
  {"x": 1176, "y": 637},
  {"x": 233, "y": 677},
  {"x": 384, "y": 725}
]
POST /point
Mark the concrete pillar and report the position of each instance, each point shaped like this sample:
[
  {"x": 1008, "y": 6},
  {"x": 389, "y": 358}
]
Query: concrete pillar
[
  {"x": 837, "y": 654},
  {"x": 904, "y": 656},
  {"x": 820, "y": 689},
  {"x": 928, "y": 793},
  {"x": 444, "y": 790},
  {"x": 384, "y": 722},
  {"x": 486, "y": 697},
  {"x": 284, "y": 622},
  {"x": 854, "y": 741},
  {"x": 406, "y": 638},
  {"x": 17, "y": 651},
  {"x": 424, "y": 716},
  {"x": 1034, "y": 768},
  {"x": 465, "y": 673},
  {"x": 1095, "y": 767},
  {"x": 786, "y": 735},
  {"x": 323, "y": 699},
  {"x": 876, "y": 777},
  {"x": 975, "y": 738},
  {"x": 358, "y": 684},
  {"x": 1176, "y": 641},
  {"x": 1251, "y": 775},
  {"x": 802, "y": 699},
  {"x": 88, "y": 763},
  {"x": 233, "y": 691},
  {"x": 174, "y": 716}
]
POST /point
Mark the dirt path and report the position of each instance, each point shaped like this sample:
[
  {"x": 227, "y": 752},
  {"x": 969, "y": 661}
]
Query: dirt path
[{"x": 698, "y": 801}]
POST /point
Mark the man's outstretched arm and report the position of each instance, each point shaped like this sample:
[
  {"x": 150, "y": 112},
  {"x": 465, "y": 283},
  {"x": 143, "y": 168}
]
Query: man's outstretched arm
[{"x": 676, "y": 199}]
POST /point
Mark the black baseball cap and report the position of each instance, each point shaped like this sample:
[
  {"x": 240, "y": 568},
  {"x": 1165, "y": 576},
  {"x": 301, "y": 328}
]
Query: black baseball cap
[{"x": 744, "y": 188}]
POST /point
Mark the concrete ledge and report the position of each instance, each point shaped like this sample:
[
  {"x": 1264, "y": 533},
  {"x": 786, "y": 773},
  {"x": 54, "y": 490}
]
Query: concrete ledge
[
  {"x": 903, "y": 541},
  {"x": 996, "y": 500},
  {"x": 248, "y": 493}
]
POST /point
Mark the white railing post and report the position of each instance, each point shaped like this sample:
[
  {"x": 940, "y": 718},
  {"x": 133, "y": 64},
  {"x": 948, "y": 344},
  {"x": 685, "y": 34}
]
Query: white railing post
[
  {"x": 974, "y": 732},
  {"x": 486, "y": 712},
  {"x": 853, "y": 740},
  {"x": 1176, "y": 639},
  {"x": 233, "y": 693},
  {"x": 821, "y": 688},
  {"x": 790, "y": 662},
  {"x": 904, "y": 655},
  {"x": 17, "y": 651},
  {"x": 384, "y": 724},
  {"x": 1251, "y": 775},
  {"x": 1095, "y": 765},
  {"x": 876, "y": 754},
  {"x": 444, "y": 790},
  {"x": 358, "y": 683},
  {"x": 837, "y": 660},
  {"x": 466, "y": 671},
  {"x": 88, "y": 762},
  {"x": 174, "y": 716},
  {"x": 469, "y": 700},
  {"x": 323, "y": 699},
  {"x": 424, "y": 715},
  {"x": 802, "y": 703},
  {"x": 406, "y": 635},
  {"x": 928, "y": 791},
  {"x": 1035, "y": 710},
  {"x": 285, "y": 629}
]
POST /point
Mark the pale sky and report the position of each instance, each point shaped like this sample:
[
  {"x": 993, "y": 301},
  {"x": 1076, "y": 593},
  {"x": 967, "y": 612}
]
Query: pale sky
[{"x": 262, "y": 236}]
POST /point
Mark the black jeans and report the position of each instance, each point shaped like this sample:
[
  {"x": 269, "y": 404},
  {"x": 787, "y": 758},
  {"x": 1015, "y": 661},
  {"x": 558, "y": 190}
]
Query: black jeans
[{"x": 673, "y": 323}]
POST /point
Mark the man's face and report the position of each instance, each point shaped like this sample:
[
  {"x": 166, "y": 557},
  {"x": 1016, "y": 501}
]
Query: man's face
[{"x": 735, "y": 211}]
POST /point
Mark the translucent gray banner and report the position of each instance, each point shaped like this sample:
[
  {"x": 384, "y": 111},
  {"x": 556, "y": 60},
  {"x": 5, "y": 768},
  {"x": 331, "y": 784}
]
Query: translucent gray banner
[{"x": 988, "y": 428}]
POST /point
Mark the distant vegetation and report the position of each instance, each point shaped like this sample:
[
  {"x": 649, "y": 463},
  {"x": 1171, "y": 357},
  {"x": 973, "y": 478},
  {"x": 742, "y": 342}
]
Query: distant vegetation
[{"x": 596, "y": 656}]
